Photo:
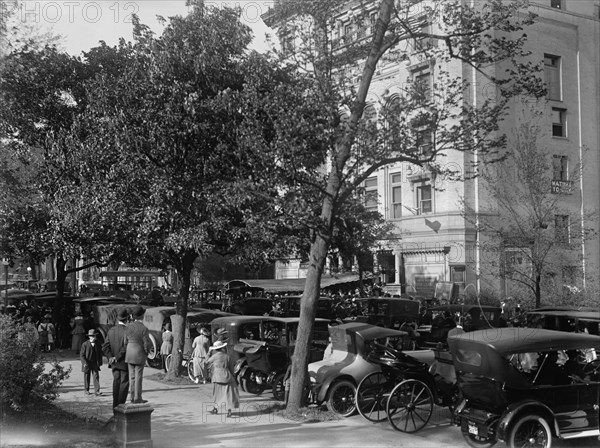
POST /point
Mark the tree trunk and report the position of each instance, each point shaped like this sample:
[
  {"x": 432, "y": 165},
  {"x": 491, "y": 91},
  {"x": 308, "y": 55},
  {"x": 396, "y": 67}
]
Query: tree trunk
[
  {"x": 184, "y": 270},
  {"x": 308, "y": 310},
  {"x": 538, "y": 290},
  {"x": 319, "y": 248},
  {"x": 61, "y": 277}
]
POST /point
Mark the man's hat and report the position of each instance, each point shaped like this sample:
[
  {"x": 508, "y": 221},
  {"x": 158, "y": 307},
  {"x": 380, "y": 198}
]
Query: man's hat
[
  {"x": 138, "y": 312},
  {"x": 92, "y": 333},
  {"x": 123, "y": 314}
]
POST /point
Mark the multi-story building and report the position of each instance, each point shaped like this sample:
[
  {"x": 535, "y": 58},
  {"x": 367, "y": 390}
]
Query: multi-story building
[{"x": 433, "y": 240}]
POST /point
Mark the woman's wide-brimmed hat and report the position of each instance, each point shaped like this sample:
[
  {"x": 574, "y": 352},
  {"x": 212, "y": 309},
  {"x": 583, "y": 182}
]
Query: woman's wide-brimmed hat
[
  {"x": 218, "y": 345},
  {"x": 92, "y": 333},
  {"x": 204, "y": 331}
]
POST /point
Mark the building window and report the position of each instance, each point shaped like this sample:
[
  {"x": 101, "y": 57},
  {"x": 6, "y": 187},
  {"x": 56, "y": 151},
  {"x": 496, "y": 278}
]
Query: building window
[
  {"x": 559, "y": 122},
  {"x": 422, "y": 84},
  {"x": 396, "y": 185},
  {"x": 424, "y": 199},
  {"x": 288, "y": 44},
  {"x": 558, "y": 4},
  {"x": 424, "y": 142},
  {"x": 561, "y": 228},
  {"x": 371, "y": 196},
  {"x": 560, "y": 168},
  {"x": 552, "y": 68}
]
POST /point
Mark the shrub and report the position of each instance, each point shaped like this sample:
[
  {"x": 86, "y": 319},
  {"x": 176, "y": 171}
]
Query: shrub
[{"x": 22, "y": 372}]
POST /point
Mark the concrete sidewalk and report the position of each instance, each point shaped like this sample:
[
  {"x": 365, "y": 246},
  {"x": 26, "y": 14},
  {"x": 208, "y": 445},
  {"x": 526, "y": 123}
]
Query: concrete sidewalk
[{"x": 181, "y": 418}]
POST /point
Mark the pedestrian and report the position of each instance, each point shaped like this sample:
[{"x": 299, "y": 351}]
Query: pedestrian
[
  {"x": 200, "y": 351},
  {"x": 138, "y": 345},
  {"x": 78, "y": 332},
  {"x": 46, "y": 331},
  {"x": 225, "y": 389},
  {"x": 114, "y": 348},
  {"x": 167, "y": 345},
  {"x": 91, "y": 360}
]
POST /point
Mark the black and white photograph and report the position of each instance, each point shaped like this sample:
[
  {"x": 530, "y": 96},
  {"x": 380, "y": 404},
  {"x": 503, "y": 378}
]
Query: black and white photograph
[{"x": 300, "y": 223}]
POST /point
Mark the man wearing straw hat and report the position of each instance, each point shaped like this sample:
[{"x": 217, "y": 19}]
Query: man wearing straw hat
[
  {"x": 91, "y": 360},
  {"x": 225, "y": 390}
]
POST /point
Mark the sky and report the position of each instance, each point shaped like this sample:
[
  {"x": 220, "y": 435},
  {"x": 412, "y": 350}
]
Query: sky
[{"x": 84, "y": 23}]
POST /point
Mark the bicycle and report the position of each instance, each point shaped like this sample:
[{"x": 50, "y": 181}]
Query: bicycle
[{"x": 187, "y": 366}]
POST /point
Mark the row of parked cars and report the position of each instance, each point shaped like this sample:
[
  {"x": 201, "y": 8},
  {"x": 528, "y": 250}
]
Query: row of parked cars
[{"x": 523, "y": 386}]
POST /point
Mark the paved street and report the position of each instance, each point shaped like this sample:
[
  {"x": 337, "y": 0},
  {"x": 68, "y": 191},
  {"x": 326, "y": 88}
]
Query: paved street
[{"x": 181, "y": 420}]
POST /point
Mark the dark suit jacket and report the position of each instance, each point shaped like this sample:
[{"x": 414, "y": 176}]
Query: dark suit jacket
[
  {"x": 115, "y": 346},
  {"x": 138, "y": 343},
  {"x": 91, "y": 357}
]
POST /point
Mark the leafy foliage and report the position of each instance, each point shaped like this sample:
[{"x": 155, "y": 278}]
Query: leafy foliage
[{"x": 22, "y": 372}]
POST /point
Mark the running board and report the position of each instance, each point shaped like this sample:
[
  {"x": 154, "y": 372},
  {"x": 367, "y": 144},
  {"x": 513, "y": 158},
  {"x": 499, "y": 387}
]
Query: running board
[{"x": 576, "y": 435}]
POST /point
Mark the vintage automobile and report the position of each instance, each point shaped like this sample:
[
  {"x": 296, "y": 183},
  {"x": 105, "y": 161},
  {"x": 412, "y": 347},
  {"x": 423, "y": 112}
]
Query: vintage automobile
[
  {"x": 525, "y": 386},
  {"x": 155, "y": 319},
  {"x": 335, "y": 378},
  {"x": 565, "y": 320},
  {"x": 469, "y": 317},
  {"x": 289, "y": 306},
  {"x": 265, "y": 359},
  {"x": 254, "y": 306},
  {"x": 390, "y": 312}
]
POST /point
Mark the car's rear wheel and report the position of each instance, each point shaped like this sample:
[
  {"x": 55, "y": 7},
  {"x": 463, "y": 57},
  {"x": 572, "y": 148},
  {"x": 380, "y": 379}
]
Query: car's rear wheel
[
  {"x": 250, "y": 385},
  {"x": 154, "y": 359},
  {"x": 341, "y": 398},
  {"x": 530, "y": 431}
]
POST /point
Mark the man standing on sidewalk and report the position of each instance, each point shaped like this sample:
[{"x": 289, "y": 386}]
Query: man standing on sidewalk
[
  {"x": 138, "y": 345},
  {"x": 114, "y": 348},
  {"x": 91, "y": 360}
]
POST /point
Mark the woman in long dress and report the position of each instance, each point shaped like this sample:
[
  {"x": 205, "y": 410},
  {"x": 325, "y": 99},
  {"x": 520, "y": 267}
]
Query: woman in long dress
[
  {"x": 225, "y": 390},
  {"x": 78, "y": 332},
  {"x": 200, "y": 347}
]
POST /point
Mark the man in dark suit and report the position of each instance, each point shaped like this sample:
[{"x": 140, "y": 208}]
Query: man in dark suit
[
  {"x": 114, "y": 348},
  {"x": 138, "y": 345},
  {"x": 91, "y": 360}
]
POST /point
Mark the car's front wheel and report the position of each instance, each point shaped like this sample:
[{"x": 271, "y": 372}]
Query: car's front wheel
[
  {"x": 530, "y": 431},
  {"x": 341, "y": 398}
]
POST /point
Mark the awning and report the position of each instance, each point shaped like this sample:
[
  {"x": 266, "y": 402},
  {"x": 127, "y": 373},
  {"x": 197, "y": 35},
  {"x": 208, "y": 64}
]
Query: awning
[{"x": 292, "y": 284}]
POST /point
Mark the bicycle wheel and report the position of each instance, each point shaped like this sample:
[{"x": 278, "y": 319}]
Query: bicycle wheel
[
  {"x": 409, "y": 406},
  {"x": 196, "y": 379},
  {"x": 371, "y": 396},
  {"x": 168, "y": 362}
]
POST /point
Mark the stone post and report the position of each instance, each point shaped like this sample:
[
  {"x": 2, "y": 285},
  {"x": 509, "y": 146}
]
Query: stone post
[{"x": 133, "y": 429}]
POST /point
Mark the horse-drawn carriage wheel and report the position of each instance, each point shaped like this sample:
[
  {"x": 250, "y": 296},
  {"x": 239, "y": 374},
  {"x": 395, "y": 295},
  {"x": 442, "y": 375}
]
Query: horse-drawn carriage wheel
[
  {"x": 409, "y": 406},
  {"x": 371, "y": 396},
  {"x": 278, "y": 387},
  {"x": 341, "y": 398}
]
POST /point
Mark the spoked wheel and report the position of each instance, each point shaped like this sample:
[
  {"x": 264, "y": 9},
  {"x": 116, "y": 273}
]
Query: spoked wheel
[
  {"x": 341, "y": 398},
  {"x": 279, "y": 387},
  {"x": 409, "y": 406},
  {"x": 371, "y": 396},
  {"x": 168, "y": 363},
  {"x": 196, "y": 379},
  {"x": 530, "y": 431}
]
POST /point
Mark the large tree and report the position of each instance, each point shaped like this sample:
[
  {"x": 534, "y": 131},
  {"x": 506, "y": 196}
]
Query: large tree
[
  {"x": 45, "y": 212},
  {"x": 324, "y": 158},
  {"x": 158, "y": 137}
]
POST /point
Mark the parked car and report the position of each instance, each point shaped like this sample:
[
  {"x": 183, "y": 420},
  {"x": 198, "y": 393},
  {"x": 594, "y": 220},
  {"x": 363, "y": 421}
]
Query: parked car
[
  {"x": 266, "y": 357},
  {"x": 155, "y": 319},
  {"x": 280, "y": 331},
  {"x": 574, "y": 320},
  {"x": 469, "y": 317},
  {"x": 387, "y": 312},
  {"x": 255, "y": 306},
  {"x": 290, "y": 307},
  {"x": 525, "y": 386},
  {"x": 335, "y": 378}
]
